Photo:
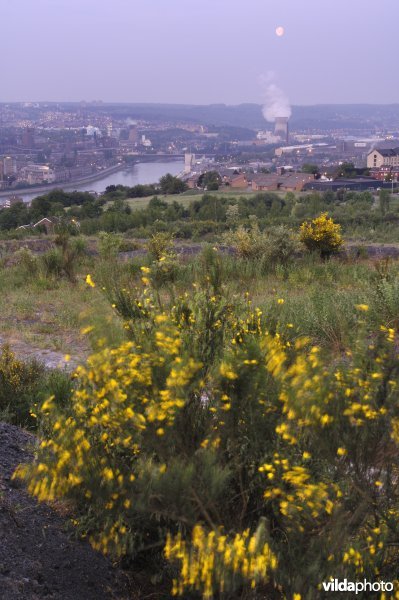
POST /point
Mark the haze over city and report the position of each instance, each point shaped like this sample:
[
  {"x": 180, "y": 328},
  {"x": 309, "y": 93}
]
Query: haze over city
[
  {"x": 198, "y": 51},
  {"x": 199, "y": 299}
]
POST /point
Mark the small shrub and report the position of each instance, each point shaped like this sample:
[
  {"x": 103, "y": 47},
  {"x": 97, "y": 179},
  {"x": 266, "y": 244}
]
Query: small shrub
[
  {"x": 163, "y": 271},
  {"x": 274, "y": 246},
  {"x": 129, "y": 246},
  {"x": 321, "y": 235},
  {"x": 248, "y": 243},
  {"x": 160, "y": 244},
  {"x": 63, "y": 260},
  {"x": 52, "y": 264},
  {"x": 19, "y": 386},
  {"x": 109, "y": 244},
  {"x": 281, "y": 245},
  {"x": 26, "y": 260}
]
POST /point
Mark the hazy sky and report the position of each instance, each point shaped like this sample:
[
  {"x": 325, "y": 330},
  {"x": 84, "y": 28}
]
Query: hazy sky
[{"x": 199, "y": 51}]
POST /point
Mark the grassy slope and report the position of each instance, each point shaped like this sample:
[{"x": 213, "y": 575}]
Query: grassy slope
[
  {"x": 187, "y": 197},
  {"x": 318, "y": 297},
  {"x": 50, "y": 314}
]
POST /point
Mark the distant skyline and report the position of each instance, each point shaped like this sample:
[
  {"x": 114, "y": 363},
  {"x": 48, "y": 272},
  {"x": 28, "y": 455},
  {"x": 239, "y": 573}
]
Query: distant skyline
[{"x": 199, "y": 51}]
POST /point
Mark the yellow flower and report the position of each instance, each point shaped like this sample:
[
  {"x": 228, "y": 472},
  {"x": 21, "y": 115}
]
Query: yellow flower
[
  {"x": 341, "y": 451},
  {"x": 280, "y": 301},
  {"x": 363, "y": 307},
  {"x": 89, "y": 281},
  {"x": 86, "y": 330},
  {"x": 108, "y": 474},
  {"x": 227, "y": 371},
  {"x": 67, "y": 357}
]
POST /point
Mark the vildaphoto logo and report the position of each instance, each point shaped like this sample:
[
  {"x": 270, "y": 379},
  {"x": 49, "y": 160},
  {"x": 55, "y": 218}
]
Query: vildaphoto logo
[{"x": 336, "y": 585}]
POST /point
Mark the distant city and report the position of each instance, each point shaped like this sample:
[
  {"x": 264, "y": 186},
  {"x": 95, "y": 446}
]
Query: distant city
[{"x": 47, "y": 145}]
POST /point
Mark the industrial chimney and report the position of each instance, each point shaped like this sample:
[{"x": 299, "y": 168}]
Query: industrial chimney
[{"x": 281, "y": 128}]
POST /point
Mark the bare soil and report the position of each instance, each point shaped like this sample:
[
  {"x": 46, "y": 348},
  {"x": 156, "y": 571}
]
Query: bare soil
[
  {"x": 39, "y": 557},
  {"x": 51, "y": 359}
]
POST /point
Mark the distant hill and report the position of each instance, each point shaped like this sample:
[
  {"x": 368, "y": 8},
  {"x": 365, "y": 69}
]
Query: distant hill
[{"x": 323, "y": 116}]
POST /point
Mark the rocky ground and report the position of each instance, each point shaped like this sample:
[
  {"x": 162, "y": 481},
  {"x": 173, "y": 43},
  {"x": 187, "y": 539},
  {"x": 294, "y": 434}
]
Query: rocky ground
[
  {"x": 49, "y": 358},
  {"x": 39, "y": 557}
]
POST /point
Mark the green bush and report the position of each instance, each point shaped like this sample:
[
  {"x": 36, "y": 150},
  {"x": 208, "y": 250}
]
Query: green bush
[
  {"x": 273, "y": 246},
  {"x": 159, "y": 245},
  {"x": 20, "y": 383},
  {"x": 109, "y": 244},
  {"x": 63, "y": 260},
  {"x": 247, "y": 243},
  {"x": 27, "y": 261},
  {"x": 52, "y": 263},
  {"x": 281, "y": 246}
]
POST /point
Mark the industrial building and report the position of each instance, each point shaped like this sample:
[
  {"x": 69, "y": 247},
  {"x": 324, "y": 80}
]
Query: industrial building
[{"x": 281, "y": 128}]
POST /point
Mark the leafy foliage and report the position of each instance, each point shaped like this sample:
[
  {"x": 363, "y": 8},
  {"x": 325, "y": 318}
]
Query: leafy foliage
[
  {"x": 169, "y": 184},
  {"x": 255, "y": 458},
  {"x": 322, "y": 235},
  {"x": 19, "y": 382},
  {"x": 275, "y": 245}
]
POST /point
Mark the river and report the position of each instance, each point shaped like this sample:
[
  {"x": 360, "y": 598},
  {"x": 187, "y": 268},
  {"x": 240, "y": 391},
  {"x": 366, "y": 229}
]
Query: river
[{"x": 143, "y": 173}]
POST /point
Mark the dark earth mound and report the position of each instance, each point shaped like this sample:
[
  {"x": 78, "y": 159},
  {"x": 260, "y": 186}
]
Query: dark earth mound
[{"x": 39, "y": 558}]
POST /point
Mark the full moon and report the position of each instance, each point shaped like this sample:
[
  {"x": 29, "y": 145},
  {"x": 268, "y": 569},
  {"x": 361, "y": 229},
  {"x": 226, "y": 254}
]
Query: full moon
[{"x": 279, "y": 31}]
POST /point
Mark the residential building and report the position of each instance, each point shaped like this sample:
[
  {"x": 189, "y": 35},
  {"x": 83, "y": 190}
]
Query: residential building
[
  {"x": 192, "y": 181},
  {"x": 239, "y": 181},
  {"x": 13, "y": 200},
  {"x": 294, "y": 182},
  {"x": 35, "y": 174},
  {"x": 28, "y": 137},
  {"x": 383, "y": 157},
  {"x": 9, "y": 166},
  {"x": 133, "y": 134},
  {"x": 385, "y": 173},
  {"x": 48, "y": 224},
  {"x": 289, "y": 182},
  {"x": 265, "y": 183}
]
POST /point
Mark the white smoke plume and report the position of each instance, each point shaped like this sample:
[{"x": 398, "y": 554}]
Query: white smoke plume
[{"x": 276, "y": 103}]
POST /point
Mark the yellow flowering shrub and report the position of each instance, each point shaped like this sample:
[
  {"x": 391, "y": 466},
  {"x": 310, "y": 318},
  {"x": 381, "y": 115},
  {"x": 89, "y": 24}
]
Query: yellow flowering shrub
[
  {"x": 212, "y": 560},
  {"x": 321, "y": 235},
  {"x": 250, "y": 462},
  {"x": 124, "y": 397}
]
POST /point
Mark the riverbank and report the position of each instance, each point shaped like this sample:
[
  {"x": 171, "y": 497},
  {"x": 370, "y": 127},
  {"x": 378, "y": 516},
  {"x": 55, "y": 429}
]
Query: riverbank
[
  {"x": 144, "y": 172},
  {"x": 68, "y": 186}
]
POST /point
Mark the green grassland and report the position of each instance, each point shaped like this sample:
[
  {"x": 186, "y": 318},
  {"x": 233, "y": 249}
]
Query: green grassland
[
  {"x": 49, "y": 312},
  {"x": 186, "y": 198}
]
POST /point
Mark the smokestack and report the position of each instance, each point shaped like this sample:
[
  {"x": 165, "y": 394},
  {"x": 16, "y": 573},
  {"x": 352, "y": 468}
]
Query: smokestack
[
  {"x": 276, "y": 108},
  {"x": 281, "y": 128}
]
